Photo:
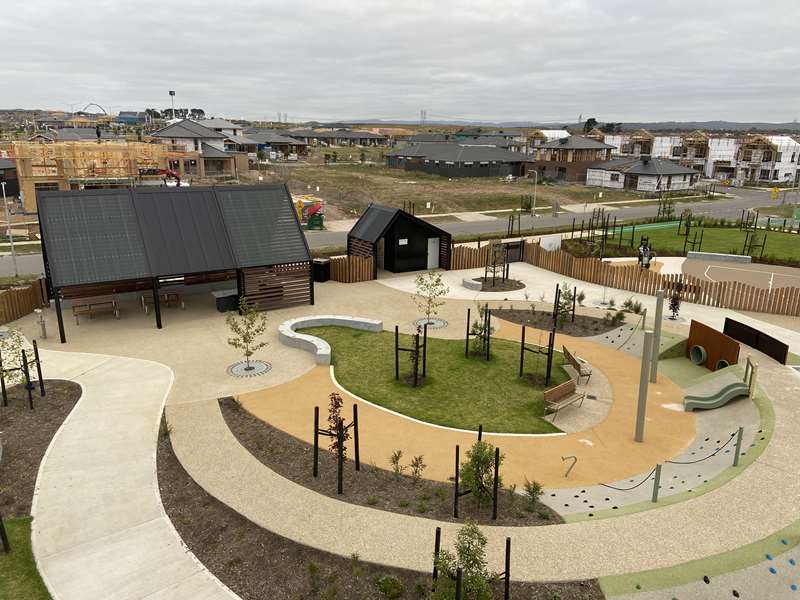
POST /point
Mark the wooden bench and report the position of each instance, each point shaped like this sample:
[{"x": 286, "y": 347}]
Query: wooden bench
[
  {"x": 583, "y": 368},
  {"x": 561, "y": 396},
  {"x": 92, "y": 305}
]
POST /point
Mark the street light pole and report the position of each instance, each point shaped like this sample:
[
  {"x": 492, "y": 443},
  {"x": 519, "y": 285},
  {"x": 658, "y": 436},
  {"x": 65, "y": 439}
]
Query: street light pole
[
  {"x": 172, "y": 99},
  {"x": 8, "y": 230},
  {"x": 535, "y": 182}
]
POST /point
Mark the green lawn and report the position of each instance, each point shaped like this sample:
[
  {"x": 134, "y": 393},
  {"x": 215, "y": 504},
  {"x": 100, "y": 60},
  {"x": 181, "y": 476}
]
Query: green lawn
[
  {"x": 18, "y": 575},
  {"x": 666, "y": 242},
  {"x": 458, "y": 392}
]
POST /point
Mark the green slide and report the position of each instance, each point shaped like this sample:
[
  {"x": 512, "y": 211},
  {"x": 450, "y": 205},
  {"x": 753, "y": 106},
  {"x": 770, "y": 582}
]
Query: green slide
[{"x": 717, "y": 399}]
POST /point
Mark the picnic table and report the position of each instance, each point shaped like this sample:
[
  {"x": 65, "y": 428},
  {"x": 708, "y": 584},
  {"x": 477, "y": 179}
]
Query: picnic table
[
  {"x": 93, "y": 305},
  {"x": 167, "y": 298}
]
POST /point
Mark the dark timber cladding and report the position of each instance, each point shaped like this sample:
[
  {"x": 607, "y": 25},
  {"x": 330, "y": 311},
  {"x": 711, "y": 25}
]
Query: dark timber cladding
[
  {"x": 98, "y": 242},
  {"x": 399, "y": 241}
]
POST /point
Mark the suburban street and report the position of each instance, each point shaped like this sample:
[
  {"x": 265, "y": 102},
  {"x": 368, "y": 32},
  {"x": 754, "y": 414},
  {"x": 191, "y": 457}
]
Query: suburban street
[{"x": 730, "y": 208}]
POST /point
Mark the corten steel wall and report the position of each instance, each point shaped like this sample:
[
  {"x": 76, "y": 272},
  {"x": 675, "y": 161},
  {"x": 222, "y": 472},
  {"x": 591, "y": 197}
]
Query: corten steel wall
[
  {"x": 718, "y": 346},
  {"x": 723, "y": 294},
  {"x": 757, "y": 339}
]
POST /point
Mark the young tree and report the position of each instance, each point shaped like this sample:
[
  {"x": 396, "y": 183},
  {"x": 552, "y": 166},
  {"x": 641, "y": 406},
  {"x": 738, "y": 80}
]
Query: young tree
[
  {"x": 590, "y": 124},
  {"x": 334, "y": 418},
  {"x": 564, "y": 304},
  {"x": 245, "y": 331},
  {"x": 477, "y": 473},
  {"x": 430, "y": 290},
  {"x": 470, "y": 557},
  {"x": 675, "y": 301}
]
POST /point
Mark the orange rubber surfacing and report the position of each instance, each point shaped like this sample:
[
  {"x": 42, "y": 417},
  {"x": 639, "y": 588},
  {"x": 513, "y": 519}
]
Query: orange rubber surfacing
[{"x": 606, "y": 452}]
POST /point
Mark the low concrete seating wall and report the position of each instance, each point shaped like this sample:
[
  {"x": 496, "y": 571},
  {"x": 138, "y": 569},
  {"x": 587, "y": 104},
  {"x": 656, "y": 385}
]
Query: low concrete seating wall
[
  {"x": 288, "y": 335},
  {"x": 716, "y": 256},
  {"x": 471, "y": 284}
]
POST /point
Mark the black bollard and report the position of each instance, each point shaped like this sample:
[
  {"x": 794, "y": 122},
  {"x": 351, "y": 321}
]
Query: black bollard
[
  {"x": 38, "y": 368},
  {"x": 355, "y": 437},
  {"x": 316, "y": 441},
  {"x": 455, "y": 491},
  {"x": 496, "y": 482},
  {"x": 340, "y": 453},
  {"x": 28, "y": 384}
]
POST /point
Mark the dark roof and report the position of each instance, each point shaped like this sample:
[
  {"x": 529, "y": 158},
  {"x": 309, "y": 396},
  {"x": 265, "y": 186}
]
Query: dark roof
[
  {"x": 429, "y": 137},
  {"x": 266, "y": 136},
  {"x": 262, "y": 225},
  {"x": 338, "y": 134},
  {"x": 576, "y": 142},
  {"x": 211, "y": 152},
  {"x": 91, "y": 236},
  {"x": 376, "y": 219},
  {"x": 182, "y": 230},
  {"x": 187, "y": 129},
  {"x": 497, "y": 141},
  {"x": 644, "y": 166},
  {"x": 98, "y": 236},
  {"x": 461, "y": 152},
  {"x": 218, "y": 124}
]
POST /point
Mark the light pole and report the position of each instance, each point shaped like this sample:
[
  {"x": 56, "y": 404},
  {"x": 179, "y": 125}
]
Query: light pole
[
  {"x": 172, "y": 99},
  {"x": 535, "y": 182},
  {"x": 8, "y": 230}
]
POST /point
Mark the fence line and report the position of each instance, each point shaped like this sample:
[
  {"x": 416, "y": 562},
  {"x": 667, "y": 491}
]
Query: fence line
[
  {"x": 467, "y": 257},
  {"x": 16, "y": 302},
  {"x": 733, "y": 295},
  {"x": 352, "y": 269}
]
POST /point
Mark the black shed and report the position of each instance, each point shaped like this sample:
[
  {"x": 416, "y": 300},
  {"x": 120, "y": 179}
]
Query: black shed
[
  {"x": 398, "y": 241},
  {"x": 100, "y": 242}
]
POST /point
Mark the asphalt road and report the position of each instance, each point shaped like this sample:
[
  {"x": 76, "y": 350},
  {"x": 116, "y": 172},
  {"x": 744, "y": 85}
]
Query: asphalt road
[{"x": 730, "y": 208}]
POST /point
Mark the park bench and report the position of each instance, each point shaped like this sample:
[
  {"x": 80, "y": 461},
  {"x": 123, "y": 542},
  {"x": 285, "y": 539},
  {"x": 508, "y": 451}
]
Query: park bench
[
  {"x": 583, "y": 368},
  {"x": 561, "y": 396},
  {"x": 93, "y": 305}
]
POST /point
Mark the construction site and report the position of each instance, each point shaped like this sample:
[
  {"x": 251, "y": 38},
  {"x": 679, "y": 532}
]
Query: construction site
[{"x": 94, "y": 165}]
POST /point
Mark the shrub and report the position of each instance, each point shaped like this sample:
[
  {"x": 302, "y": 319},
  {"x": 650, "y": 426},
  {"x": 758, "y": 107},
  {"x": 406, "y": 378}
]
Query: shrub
[
  {"x": 470, "y": 557},
  {"x": 477, "y": 473},
  {"x": 372, "y": 500},
  {"x": 394, "y": 459},
  {"x": 417, "y": 467},
  {"x": 390, "y": 587},
  {"x": 581, "y": 297},
  {"x": 533, "y": 492}
]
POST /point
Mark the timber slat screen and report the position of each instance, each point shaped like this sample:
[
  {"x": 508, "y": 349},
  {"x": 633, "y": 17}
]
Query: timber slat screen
[
  {"x": 733, "y": 295},
  {"x": 352, "y": 269},
  {"x": 266, "y": 288},
  {"x": 16, "y": 302},
  {"x": 468, "y": 257}
]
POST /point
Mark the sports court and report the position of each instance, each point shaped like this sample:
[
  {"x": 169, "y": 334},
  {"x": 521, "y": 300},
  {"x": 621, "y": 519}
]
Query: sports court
[{"x": 758, "y": 275}]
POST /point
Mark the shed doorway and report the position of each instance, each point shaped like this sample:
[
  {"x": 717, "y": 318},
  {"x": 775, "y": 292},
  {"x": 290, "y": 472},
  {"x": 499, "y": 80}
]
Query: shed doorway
[{"x": 433, "y": 253}]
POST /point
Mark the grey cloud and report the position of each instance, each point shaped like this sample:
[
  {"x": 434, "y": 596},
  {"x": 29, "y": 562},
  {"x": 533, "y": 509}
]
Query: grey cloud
[{"x": 616, "y": 60}]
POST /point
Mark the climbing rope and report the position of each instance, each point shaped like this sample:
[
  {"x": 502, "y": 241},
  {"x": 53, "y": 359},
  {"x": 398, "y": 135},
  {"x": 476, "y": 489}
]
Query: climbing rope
[{"x": 717, "y": 451}]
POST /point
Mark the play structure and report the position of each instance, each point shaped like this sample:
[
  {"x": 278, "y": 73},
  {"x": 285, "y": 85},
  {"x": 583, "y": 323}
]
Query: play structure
[
  {"x": 310, "y": 211},
  {"x": 710, "y": 348},
  {"x": 721, "y": 389}
]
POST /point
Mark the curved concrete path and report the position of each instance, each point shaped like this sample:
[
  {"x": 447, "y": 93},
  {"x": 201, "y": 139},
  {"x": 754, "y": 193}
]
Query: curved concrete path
[
  {"x": 718, "y": 521},
  {"x": 99, "y": 529}
]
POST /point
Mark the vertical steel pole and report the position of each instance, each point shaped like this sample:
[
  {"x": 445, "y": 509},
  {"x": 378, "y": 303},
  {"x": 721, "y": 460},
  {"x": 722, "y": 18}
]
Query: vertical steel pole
[
  {"x": 458, "y": 584},
  {"x": 656, "y": 336},
  {"x": 437, "y": 545},
  {"x": 738, "y": 446},
  {"x": 3, "y": 382},
  {"x": 480, "y": 432},
  {"x": 455, "y": 480},
  {"x": 522, "y": 352},
  {"x": 656, "y": 483},
  {"x": 396, "y": 353},
  {"x": 28, "y": 385},
  {"x": 641, "y": 408},
  {"x": 424, "y": 349},
  {"x": 316, "y": 441},
  {"x": 38, "y": 367},
  {"x": 4, "y": 537},
  {"x": 340, "y": 453},
  {"x": 355, "y": 437},
  {"x": 466, "y": 338},
  {"x": 507, "y": 582}
]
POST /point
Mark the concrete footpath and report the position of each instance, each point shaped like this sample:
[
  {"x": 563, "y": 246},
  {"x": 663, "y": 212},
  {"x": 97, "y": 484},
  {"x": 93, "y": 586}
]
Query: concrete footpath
[{"x": 99, "y": 529}]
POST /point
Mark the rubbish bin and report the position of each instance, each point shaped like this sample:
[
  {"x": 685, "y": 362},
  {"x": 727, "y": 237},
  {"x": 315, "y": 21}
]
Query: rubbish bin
[{"x": 322, "y": 269}]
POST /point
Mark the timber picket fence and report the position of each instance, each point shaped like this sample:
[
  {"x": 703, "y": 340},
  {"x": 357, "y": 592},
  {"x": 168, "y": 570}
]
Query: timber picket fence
[
  {"x": 352, "y": 269},
  {"x": 733, "y": 295},
  {"x": 16, "y": 302}
]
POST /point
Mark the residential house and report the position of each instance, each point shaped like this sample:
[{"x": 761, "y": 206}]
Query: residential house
[
  {"x": 643, "y": 174},
  {"x": 537, "y": 137},
  {"x": 209, "y": 156},
  {"x": 459, "y": 160},
  {"x": 128, "y": 117},
  {"x": 338, "y": 137},
  {"x": 221, "y": 126},
  {"x": 270, "y": 140},
  {"x": 568, "y": 158}
]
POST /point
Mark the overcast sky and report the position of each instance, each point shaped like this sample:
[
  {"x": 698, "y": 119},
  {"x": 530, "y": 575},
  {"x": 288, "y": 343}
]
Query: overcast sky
[{"x": 469, "y": 59}]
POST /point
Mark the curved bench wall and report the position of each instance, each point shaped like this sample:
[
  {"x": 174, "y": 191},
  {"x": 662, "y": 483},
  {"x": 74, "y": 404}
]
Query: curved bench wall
[{"x": 288, "y": 335}]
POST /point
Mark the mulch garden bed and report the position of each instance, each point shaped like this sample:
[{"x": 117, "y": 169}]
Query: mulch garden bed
[
  {"x": 509, "y": 285},
  {"x": 258, "y": 564},
  {"x": 25, "y": 436},
  {"x": 372, "y": 486},
  {"x": 584, "y": 325}
]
